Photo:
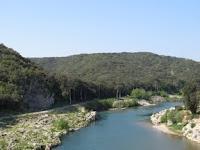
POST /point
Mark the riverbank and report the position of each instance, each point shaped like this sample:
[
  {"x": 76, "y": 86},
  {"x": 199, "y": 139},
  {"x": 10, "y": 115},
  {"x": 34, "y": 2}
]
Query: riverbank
[
  {"x": 125, "y": 130},
  {"x": 163, "y": 128},
  {"x": 178, "y": 121},
  {"x": 44, "y": 130}
]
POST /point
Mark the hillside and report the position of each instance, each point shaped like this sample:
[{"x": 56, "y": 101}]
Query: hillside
[
  {"x": 23, "y": 85},
  {"x": 125, "y": 70}
]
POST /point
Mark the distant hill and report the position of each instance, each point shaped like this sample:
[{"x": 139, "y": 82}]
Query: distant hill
[
  {"x": 22, "y": 83},
  {"x": 125, "y": 70}
]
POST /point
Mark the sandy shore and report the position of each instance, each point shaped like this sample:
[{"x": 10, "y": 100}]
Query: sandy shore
[{"x": 163, "y": 128}]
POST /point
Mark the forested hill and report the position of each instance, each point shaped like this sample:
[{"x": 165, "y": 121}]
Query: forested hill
[
  {"x": 125, "y": 70},
  {"x": 22, "y": 83}
]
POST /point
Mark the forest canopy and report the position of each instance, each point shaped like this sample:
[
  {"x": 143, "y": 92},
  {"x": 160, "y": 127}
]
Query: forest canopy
[{"x": 125, "y": 71}]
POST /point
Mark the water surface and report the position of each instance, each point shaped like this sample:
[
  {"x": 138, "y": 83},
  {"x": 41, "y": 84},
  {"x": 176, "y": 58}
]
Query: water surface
[{"x": 128, "y": 129}]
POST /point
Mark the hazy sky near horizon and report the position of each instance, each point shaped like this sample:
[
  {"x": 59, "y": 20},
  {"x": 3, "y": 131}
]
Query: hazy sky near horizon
[{"x": 41, "y": 28}]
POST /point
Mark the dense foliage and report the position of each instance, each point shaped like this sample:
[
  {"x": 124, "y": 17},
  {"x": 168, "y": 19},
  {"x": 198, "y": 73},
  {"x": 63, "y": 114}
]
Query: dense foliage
[
  {"x": 106, "y": 104},
  {"x": 84, "y": 77},
  {"x": 176, "y": 118},
  {"x": 17, "y": 76},
  {"x": 118, "y": 73},
  {"x": 192, "y": 96},
  {"x": 141, "y": 94}
]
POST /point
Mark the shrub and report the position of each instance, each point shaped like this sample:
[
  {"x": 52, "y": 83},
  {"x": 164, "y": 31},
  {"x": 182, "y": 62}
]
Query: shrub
[
  {"x": 177, "y": 127},
  {"x": 178, "y": 116},
  {"x": 100, "y": 105},
  {"x": 61, "y": 124},
  {"x": 164, "y": 118},
  {"x": 124, "y": 103},
  {"x": 171, "y": 116},
  {"x": 163, "y": 94},
  {"x": 141, "y": 94},
  {"x": 118, "y": 104}
]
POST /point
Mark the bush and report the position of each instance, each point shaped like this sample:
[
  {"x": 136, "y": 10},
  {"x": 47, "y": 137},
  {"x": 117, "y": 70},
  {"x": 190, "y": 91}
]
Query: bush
[
  {"x": 61, "y": 124},
  {"x": 171, "y": 116},
  {"x": 99, "y": 105},
  {"x": 176, "y": 116},
  {"x": 163, "y": 93},
  {"x": 177, "y": 127},
  {"x": 124, "y": 103},
  {"x": 164, "y": 118},
  {"x": 141, "y": 94}
]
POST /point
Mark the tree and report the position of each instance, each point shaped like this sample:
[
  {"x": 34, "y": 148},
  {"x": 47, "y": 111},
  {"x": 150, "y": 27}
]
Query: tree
[{"x": 192, "y": 96}]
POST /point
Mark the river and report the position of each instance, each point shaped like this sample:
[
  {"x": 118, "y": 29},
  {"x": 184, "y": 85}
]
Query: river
[{"x": 128, "y": 129}]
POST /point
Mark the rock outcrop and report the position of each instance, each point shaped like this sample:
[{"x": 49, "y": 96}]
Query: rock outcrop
[
  {"x": 192, "y": 130},
  {"x": 37, "y": 97}
]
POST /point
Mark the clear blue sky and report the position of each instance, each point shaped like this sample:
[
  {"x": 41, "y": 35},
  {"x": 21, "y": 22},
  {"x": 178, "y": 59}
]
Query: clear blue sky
[{"x": 65, "y": 27}]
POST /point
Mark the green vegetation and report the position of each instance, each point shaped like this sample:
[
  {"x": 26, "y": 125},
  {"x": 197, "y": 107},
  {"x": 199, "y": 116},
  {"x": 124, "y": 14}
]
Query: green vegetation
[
  {"x": 87, "y": 77},
  {"x": 61, "y": 124},
  {"x": 106, "y": 104},
  {"x": 100, "y": 105},
  {"x": 115, "y": 74},
  {"x": 177, "y": 127},
  {"x": 141, "y": 94},
  {"x": 19, "y": 78},
  {"x": 3, "y": 144},
  {"x": 177, "y": 117},
  {"x": 125, "y": 103},
  {"x": 192, "y": 96},
  {"x": 164, "y": 118},
  {"x": 37, "y": 130},
  {"x": 162, "y": 93}
]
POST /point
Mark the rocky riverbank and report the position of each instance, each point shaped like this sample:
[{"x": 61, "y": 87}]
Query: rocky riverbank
[
  {"x": 177, "y": 121},
  {"x": 42, "y": 130}
]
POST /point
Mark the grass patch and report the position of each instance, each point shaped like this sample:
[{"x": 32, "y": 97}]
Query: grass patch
[
  {"x": 176, "y": 127},
  {"x": 61, "y": 124},
  {"x": 3, "y": 144}
]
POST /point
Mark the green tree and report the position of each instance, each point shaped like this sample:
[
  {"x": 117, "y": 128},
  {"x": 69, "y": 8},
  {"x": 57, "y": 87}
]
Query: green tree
[
  {"x": 140, "y": 94},
  {"x": 192, "y": 96}
]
